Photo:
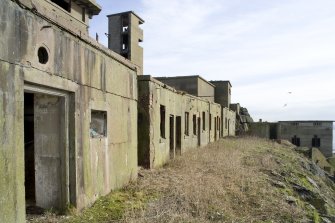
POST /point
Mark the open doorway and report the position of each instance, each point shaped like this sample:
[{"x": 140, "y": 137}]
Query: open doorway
[
  {"x": 178, "y": 135},
  {"x": 46, "y": 151},
  {"x": 172, "y": 152},
  {"x": 199, "y": 131}
]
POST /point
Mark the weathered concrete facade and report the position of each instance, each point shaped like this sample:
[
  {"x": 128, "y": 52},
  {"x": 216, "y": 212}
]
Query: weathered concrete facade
[
  {"x": 63, "y": 108},
  {"x": 172, "y": 122},
  {"x": 194, "y": 85},
  {"x": 71, "y": 110},
  {"x": 222, "y": 93},
  {"x": 317, "y": 134}
]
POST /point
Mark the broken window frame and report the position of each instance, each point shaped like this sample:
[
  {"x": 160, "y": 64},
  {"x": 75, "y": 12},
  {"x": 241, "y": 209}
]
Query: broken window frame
[{"x": 98, "y": 117}]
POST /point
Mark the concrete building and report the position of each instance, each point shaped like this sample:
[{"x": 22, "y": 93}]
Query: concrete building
[
  {"x": 68, "y": 109},
  {"x": 318, "y": 134},
  {"x": 194, "y": 85},
  {"x": 172, "y": 122},
  {"x": 71, "y": 110}
]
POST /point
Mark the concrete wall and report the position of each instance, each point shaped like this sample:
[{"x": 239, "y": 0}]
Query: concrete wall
[
  {"x": 228, "y": 122},
  {"x": 194, "y": 85},
  {"x": 91, "y": 78},
  {"x": 259, "y": 129},
  {"x": 306, "y": 130},
  {"x": 154, "y": 149}
]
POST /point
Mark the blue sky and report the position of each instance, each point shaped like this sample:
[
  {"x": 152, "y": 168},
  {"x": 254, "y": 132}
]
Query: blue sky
[{"x": 266, "y": 48}]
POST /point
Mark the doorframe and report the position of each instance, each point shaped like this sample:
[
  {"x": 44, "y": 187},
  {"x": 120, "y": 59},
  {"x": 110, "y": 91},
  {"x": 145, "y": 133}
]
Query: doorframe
[{"x": 65, "y": 188}]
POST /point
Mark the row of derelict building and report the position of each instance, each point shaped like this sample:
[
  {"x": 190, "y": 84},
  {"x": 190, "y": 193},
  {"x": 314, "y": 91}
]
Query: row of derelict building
[{"x": 77, "y": 119}]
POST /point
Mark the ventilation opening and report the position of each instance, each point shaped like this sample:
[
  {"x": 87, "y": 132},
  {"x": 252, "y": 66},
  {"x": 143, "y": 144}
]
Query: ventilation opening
[{"x": 43, "y": 55}]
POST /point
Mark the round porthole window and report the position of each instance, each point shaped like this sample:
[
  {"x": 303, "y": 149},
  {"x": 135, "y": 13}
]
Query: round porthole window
[{"x": 43, "y": 55}]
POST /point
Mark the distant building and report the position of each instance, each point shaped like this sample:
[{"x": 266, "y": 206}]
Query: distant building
[
  {"x": 318, "y": 134},
  {"x": 194, "y": 85},
  {"x": 312, "y": 134}
]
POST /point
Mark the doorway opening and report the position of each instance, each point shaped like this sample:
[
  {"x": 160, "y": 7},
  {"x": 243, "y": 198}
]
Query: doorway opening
[
  {"x": 199, "y": 131},
  {"x": 172, "y": 152},
  {"x": 29, "y": 157},
  {"x": 178, "y": 135},
  {"x": 45, "y": 151}
]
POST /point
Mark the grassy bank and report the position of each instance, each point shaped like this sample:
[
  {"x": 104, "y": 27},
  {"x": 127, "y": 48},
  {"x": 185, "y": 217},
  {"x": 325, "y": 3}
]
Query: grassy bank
[{"x": 233, "y": 180}]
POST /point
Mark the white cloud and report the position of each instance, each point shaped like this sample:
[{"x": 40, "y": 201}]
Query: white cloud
[{"x": 265, "y": 47}]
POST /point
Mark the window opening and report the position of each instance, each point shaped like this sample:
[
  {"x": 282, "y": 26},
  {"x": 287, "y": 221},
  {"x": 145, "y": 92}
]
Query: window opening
[
  {"x": 316, "y": 142},
  {"x": 296, "y": 141},
  {"x": 98, "y": 126},
  {"x": 162, "y": 121}
]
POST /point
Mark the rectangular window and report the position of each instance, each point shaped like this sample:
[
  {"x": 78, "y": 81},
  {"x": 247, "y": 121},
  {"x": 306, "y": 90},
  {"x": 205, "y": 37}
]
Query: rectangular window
[
  {"x": 162, "y": 122},
  {"x": 194, "y": 124},
  {"x": 204, "y": 121},
  {"x": 187, "y": 123},
  {"x": 64, "y": 4},
  {"x": 83, "y": 15},
  {"x": 218, "y": 123},
  {"x": 296, "y": 141},
  {"x": 226, "y": 123},
  {"x": 210, "y": 121},
  {"x": 316, "y": 142},
  {"x": 98, "y": 125}
]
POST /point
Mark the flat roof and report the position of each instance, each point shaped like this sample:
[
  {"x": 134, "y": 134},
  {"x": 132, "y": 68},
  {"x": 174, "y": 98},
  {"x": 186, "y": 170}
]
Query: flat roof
[
  {"x": 127, "y": 12},
  {"x": 189, "y": 76},
  {"x": 222, "y": 82}
]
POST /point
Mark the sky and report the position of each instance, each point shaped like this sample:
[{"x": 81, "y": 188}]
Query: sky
[{"x": 278, "y": 55}]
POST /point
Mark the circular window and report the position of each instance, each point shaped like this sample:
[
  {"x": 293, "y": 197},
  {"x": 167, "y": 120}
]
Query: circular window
[{"x": 43, "y": 55}]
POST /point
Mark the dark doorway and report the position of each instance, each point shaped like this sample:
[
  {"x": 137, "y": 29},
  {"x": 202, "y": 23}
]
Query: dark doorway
[
  {"x": 215, "y": 127},
  {"x": 228, "y": 127},
  {"x": 29, "y": 164},
  {"x": 46, "y": 152},
  {"x": 172, "y": 154},
  {"x": 178, "y": 135},
  {"x": 199, "y": 131}
]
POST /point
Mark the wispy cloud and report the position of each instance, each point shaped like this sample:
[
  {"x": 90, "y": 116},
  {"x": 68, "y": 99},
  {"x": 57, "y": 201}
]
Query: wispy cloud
[{"x": 266, "y": 48}]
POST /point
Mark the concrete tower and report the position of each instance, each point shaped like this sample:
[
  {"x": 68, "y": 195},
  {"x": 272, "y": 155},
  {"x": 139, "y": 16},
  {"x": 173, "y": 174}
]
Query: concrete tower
[
  {"x": 124, "y": 36},
  {"x": 222, "y": 93}
]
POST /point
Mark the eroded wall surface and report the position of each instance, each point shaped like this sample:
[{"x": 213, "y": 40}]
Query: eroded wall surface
[
  {"x": 93, "y": 78},
  {"x": 154, "y": 147},
  {"x": 306, "y": 131}
]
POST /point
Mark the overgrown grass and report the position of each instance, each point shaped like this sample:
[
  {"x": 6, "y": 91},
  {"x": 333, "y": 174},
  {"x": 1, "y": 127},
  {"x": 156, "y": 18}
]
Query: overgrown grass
[{"x": 233, "y": 180}]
